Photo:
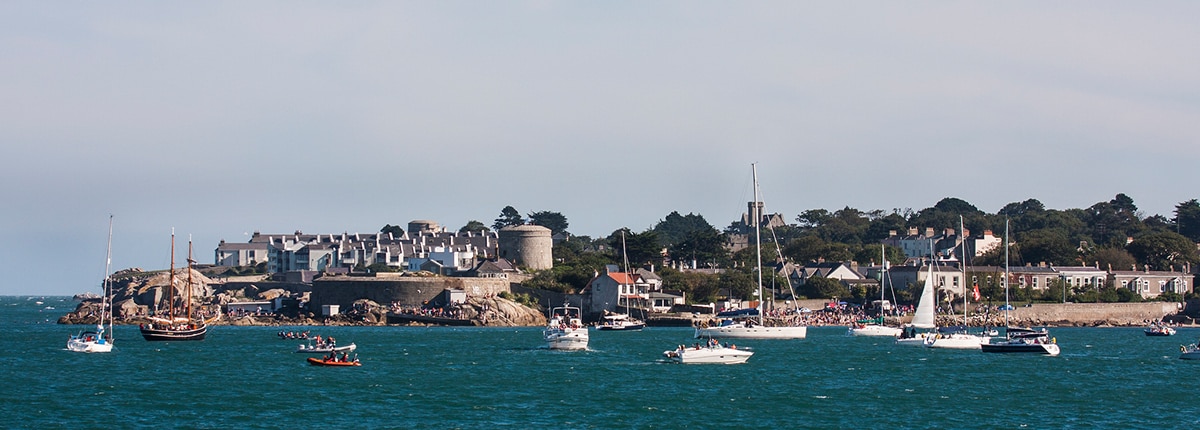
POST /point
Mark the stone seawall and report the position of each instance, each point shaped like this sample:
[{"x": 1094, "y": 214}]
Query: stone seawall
[
  {"x": 1091, "y": 314},
  {"x": 408, "y": 291}
]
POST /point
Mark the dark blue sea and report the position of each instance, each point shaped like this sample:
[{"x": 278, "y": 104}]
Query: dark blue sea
[{"x": 440, "y": 377}]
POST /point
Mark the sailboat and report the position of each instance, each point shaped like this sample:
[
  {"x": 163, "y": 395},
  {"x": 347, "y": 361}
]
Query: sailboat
[
  {"x": 925, "y": 317},
  {"x": 1017, "y": 339},
  {"x": 744, "y": 325},
  {"x": 620, "y": 321},
  {"x": 100, "y": 340},
  {"x": 877, "y": 328},
  {"x": 174, "y": 327},
  {"x": 959, "y": 339}
]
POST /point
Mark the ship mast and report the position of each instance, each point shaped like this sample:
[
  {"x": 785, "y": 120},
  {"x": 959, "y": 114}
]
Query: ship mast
[{"x": 171, "y": 286}]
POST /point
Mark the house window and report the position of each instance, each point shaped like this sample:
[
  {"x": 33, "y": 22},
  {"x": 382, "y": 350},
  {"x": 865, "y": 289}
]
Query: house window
[
  {"x": 1124, "y": 283},
  {"x": 1035, "y": 282}
]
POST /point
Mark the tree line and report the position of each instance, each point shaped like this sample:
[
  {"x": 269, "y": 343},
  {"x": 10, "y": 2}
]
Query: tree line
[{"x": 1107, "y": 234}]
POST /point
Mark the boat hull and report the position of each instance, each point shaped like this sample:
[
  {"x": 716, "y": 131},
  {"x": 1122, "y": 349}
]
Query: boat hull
[
  {"x": 89, "y": 342},
  {"x": 955, "y": 341},
  {"x": 739, "y": 331},
  {"x": 569, "y": 340},
  {"x": 319, "y": 362},
  {"x": 155, "y": 334},
  {"x": 874, "y": 330},
  {"x": 619, "y": 327},
  {"x": 1021, "y": 348},
  {"x": 1190, "y": 355}
]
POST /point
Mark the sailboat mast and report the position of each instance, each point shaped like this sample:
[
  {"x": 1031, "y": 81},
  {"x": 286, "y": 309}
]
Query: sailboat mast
[
  {"x": 624, "y": 259},
  {"x": 108, "y": 280},
  {"x": 757, "y": 215},
  {"x": 963, "y": 265},
  {"x": 1006, "y": 305}
]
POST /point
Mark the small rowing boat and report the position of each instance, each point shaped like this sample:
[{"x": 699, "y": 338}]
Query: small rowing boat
[{"x": 322, "y": 362}]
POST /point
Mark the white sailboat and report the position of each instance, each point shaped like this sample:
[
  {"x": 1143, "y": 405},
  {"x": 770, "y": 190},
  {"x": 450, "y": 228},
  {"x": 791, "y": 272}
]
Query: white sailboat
[
  {"x": 960, "y": 339},
  {"x": 748, "y": 328},
  {"x": 1017, "y": 339},
  {"x": 100, "y": 340},
  {"x": 879, "y": 329},
  {"x": 925, "y": 317}
]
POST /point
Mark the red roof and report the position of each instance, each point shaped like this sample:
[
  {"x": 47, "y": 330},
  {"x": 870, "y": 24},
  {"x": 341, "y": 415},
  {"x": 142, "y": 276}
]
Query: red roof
[{"x": 623, "y": 278}]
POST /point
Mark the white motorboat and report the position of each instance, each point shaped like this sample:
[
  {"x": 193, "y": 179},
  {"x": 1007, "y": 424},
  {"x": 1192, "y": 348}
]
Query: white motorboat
[
  {"x": 565, "y": 329},
  {"x": 1024, "y": 340},
  {"x": 712, "y": 353},
  {"x": 325, "y": 348},
  {"x": 1159, "y": 329},
  {"x": 99, "y": 340}
]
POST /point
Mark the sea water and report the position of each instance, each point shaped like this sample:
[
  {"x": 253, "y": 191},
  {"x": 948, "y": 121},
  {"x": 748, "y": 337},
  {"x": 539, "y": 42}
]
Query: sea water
[{"x": 445, "y": 377}]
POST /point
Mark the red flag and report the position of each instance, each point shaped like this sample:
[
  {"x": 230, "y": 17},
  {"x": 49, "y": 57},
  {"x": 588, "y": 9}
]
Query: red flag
[{"x": 977, "y": 293}]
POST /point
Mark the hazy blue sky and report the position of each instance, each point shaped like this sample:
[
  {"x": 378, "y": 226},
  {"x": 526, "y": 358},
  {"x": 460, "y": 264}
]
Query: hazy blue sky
[{"x": 224, "y": 118}]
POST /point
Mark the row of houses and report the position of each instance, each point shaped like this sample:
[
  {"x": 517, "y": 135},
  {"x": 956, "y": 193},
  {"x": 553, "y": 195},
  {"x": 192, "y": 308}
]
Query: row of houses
[
  {"x": 423, "y": 246},
  {"x": 951, "y": 279}
]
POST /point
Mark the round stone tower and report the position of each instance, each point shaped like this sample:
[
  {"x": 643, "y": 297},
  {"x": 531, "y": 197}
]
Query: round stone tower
[
  {"x": 527, "y": 245},
  {"x": 418, "y": 226}
]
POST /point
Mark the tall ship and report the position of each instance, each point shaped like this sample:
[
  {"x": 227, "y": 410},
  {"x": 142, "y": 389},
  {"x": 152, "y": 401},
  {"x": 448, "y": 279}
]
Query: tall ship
[{"x": 177, "y": 324}]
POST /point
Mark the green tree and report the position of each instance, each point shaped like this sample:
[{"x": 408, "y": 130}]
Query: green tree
[
  {"x": 706, "y": 247},
  {"x": 737, "y": 284},
  {"x": 395, "y": 230},
  {"x": 641, "y": 248},
  {"x": 817, "y": 287},
  {"x": 1163, "y": 250},
  {"x": 1187, "y": 219},
  {"x": 1110, "y": 258},
  {"x": 473, "y": 225},
  {"x": 1047, "y": 245},
  {"x": 508, "y": 217},
  {"x": 556, "y": 222}
]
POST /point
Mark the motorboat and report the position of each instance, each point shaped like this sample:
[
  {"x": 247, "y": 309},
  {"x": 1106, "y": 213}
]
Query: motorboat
[
  {"x": 711, "y": 353},
  {"x": 565, "y": 330},
  {"x": 1158, "y": 329},
  {"x": 333, "y": 363},
  {"x": 1024, "y": 340},
  {"x": 620, "y": 322},
  {"x": 1189, "y": 352},
  {"x": 324, "y": 348}
]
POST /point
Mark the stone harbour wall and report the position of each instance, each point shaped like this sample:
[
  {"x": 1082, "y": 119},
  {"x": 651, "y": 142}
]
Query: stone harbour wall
[
  {"x": 1091, "y": 314},
  {"x": 408, "y": 291}
]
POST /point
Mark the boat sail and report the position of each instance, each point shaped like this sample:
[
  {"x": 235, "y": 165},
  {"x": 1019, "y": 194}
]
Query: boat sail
[
  {"x": 924, "y": 318},
  {"x": 100, "y": 340},
  {"x": 174, "y": 327},
  {"x": 747, "y": 327},
  {"x": 1020, "y": 339}
]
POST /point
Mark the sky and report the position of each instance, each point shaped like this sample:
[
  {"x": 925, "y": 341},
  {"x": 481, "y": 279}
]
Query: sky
[{"x": 221, "y": 118}]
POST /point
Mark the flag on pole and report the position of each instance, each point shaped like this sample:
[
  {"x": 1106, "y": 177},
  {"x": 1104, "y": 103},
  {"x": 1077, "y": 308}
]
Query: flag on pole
[{"x": 977, "y": 292}]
